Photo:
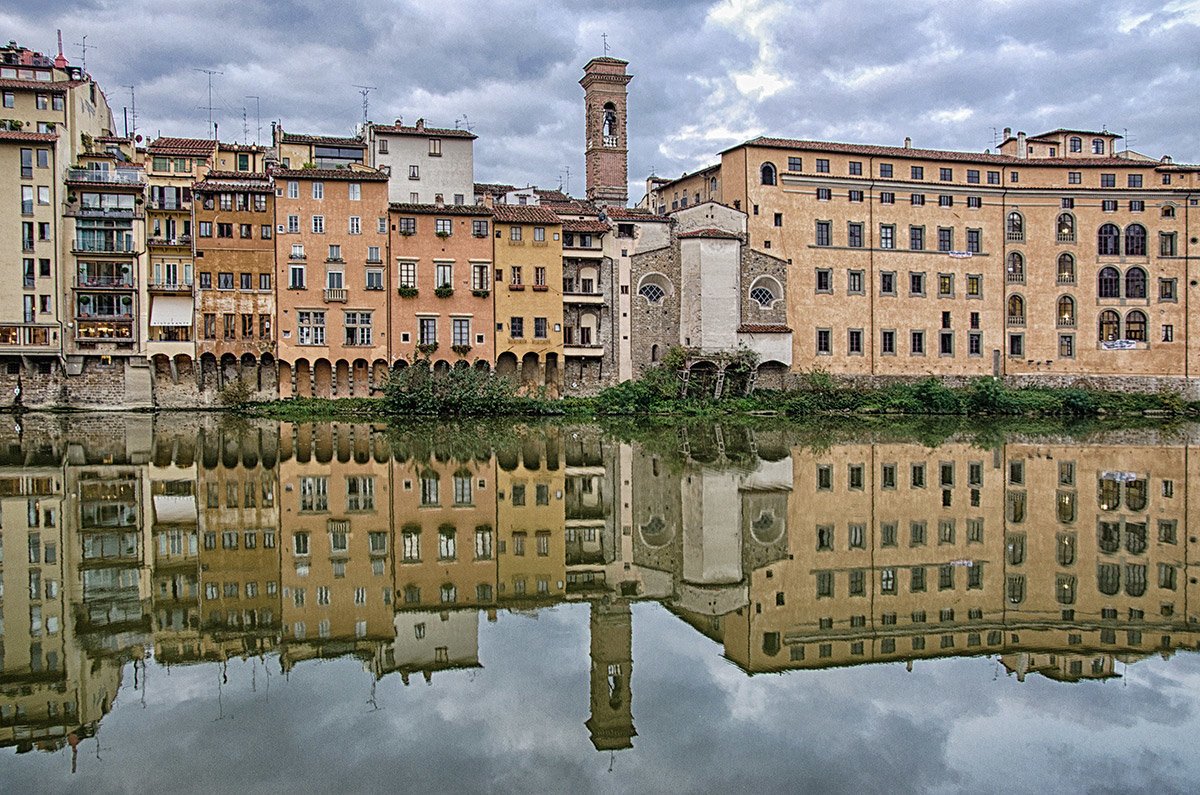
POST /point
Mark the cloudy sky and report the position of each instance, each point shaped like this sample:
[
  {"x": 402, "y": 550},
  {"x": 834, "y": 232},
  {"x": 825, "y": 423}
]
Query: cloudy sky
[{"x": 708, "y": 73}]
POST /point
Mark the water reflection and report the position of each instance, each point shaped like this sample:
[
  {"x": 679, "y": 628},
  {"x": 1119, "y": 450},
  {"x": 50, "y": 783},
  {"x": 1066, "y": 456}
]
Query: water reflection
[{"x": 170, "y": 541}]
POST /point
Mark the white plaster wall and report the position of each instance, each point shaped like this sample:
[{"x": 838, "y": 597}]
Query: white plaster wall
[
  {"x": 710, "y": 215},
  {"x": 769, "y": 347},
  {"x": 453, "y": 172},
  {"x": 712, "y": 528}
]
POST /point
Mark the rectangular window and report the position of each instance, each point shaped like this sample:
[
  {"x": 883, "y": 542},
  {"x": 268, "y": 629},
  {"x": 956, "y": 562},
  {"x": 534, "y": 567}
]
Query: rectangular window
[
  {"x": 408, "y": 275},
  {"x": 427, "y": 331},
  {"x": 855, "y": 281},
  {"x": 1066, "y": 346},
  {"x": 310, "y": 327},
  {"x": 945, "y": 200},
  {"x": 1108, "y": 180},
  {"x": 296, "y": 277},
  {"x": 973, "y": 241},
  {"x": 974, "y": 202},
  {"x": 318, "y": 224},
  {"x": 406, "y": 226},
  {"x": 945, "y": 285},
  {"x": 854, "y": 342},
  {"x": 916, "y": 283},
  {"x": 972, "y": 176},
  {"x": 855, "y": 233},
  {"x": 855, "y": 195},
  {"x": 824, "y": 345},
  {"x": 946, "y": 174},
  {"x": 887, "y": 283},
  {"x": 918, "y": 172},
  {"x": 887, "y": 197},
  {"x": 887, "y": 236},
  {"x": 824, "y": 280},
  {"x": 1109, "y": 205},
  {"x": 917, "y": 346},
  {"x": 916, "y": 238},
  {"x": 1014, "y": 176},
  {"x": 918, "y": 199},
  {"x": 1016, "y": 345},
  {"x": 887, "y": 342},
  {"x": 1167, "y": 290},
  {"x": 855, "y": 168},
  {"x": 1135, "y": 180},
  {"x": 824, "y": 233},
  {"x": 358, "y": 328},
  {"x": 318, "y": 190},
  {"x": 945, "y": 239},
  {"x": 355, "y": 225},
  {"x": 795, "y": 164},
  {"x": 516, "y": 327},
  {"x": 993, "y": 177},
  {"x": 885, "y": 170},
  {"x": 822, "y": 165}
]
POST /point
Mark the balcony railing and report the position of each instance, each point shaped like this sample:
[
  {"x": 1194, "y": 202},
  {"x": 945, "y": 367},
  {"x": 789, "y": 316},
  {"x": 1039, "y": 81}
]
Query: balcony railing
[
  {"x": 335, "y": 294},
  {"x": 1017, "y": 277},
  {"x": 120, "y": 176},
  {"x": 103, "y": 247},
  {"x": 171, "y": 287},
  {"x": 1066, "y": 279},
  {"x": 1016, "y": 320},
  {"x": 169, "y": 204},
  {"x": 102, "y": 212},
  {"x": 124, "y": 281},
  {"x": 1066, "y": 322},
  {"x": 1014, "y": 236},
  {"x": 610, "y": 141},
  {"x": 1066, "y": 237},
  {"x": 182, "y": 240}
]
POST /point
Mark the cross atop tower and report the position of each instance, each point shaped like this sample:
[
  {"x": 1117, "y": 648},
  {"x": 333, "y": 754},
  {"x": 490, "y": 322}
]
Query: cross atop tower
[{"x": 604, "y": 36}]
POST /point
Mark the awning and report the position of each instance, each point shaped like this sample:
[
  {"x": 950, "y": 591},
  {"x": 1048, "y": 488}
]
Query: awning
[
  {"x": 171, "y": 310},
  {"x": 170, "y": 508}
]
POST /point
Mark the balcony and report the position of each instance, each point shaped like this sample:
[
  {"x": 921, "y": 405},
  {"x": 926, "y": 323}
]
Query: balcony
[
  {"x": 104, "y": 282},
  {"x": 1017, "y": 277},
  {"x": 170, "y": 288},
  {"x": 573, "y": 297},
  {"x": 120, "y": 176},
  {"x": 1014, "y": 236},
  {"x": 1016, "y": 320},
  {"x": 103, "y": 331},
  {"x": 1065, "y": 237},
  {"x": 1065, "y": 322},
  {"x": 124, "y": 248},
  {"x": 103, "y": 212},
  {"x": 335, "y": 295},
  {"x": 610, "y": 141},
  {"x": 28, "y": 336},
  {"x": 1066, "y": 279},
  {"x": 183, "y": 241},
  {"x": 169, "y": 204},
  {"x": 587, "y": 351}
]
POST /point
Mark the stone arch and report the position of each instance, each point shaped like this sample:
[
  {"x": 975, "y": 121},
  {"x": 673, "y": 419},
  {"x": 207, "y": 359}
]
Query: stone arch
[
  {"x": 379, "y": 374},
  {"x": 304, "y": 442},
  {"x": 229, "y": 369},
  {"x": 162, "y": 367},
  {"x": 345, "y": 442},
  {"x": 360, "y": 378},
  {"x": 248, "y": 371},
  {"x": 323, "y": 442},
  {"x": 341, "y": 382},
  {"x": 771, "y": 374},
  {"x": 552, "y": 372},
  {"x": 303, "y": 380},
  {"x": 767, "y": 173},
  {"x": 322, "y": 379},
  {"x": 702, "y": 379},
  {"x": 441, "y": 367},
  {"x": 285, "y": 380},
  {"x": 530, "y": 368},
  {"x": 655, "y": 287},
  {"x": 482, "y": 366},
  {"x": 506, "y": 365},
  {"x": 268, "y": 375},
  {"x": 656, "y": 532},
  {"x": 208, "y": 371},
  {"x": 508, "y": 457},
  {"x": 184, "y": 366}
]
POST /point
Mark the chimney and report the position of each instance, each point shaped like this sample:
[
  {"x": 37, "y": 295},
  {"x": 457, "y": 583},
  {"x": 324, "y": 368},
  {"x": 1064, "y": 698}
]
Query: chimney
[
  {"x": 399, "y": 122},
  {"x": 1007, "y": 133},
  {"x": 1021, "y": 149},
  {"x": 907, "y": 142},
  {"x": 60, "y": 61},
  {"x": 420, "y": 124}
]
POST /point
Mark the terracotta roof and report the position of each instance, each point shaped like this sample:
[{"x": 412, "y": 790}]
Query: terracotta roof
[
  {"x": 493, "y": 188},
  {"x": 710, "y": 233},
  {"x": 346, "y": 174},
  {"x": 113, "y": 139},
  {"x": 524, "y": 214},
  {"x": 182, "y": 146},
  {"x": 426, "y": 132},
  {"x": 763, "y": 328},
  {"x": 59, "y": 87},
  {"x": 27, "y": 137},
  {"x": 594, "y": 226},
  {"x": 294, "y": 138},
  {"x": 627, "y": 214},
  {"x": 552, "y": 195},
  {"x": 445, "y": 209},
  {"x": 257, "y": 182}
]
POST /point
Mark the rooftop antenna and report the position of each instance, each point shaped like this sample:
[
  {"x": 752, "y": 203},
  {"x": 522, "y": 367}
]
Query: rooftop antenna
[
  {"x": 245, "y": 126},
  {"x": 132, "y": 113},
  {"x": 365, "y": 90},
  {"x": 567, "y": 183},
  {"x": 257, "y": 118},
  {"x": 83, "y": 57},
  {"x": 465, "y": 122},
  {"x": 210, "y": 72},
  {"x": 604, "y": 36}
]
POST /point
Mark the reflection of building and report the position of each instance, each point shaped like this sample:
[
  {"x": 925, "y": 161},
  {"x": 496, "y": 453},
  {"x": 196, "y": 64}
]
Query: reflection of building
[
  {"x": 531, "y": 554},
  {"x": 428, "y": 641},
  {"x": 611, "y": 721}
]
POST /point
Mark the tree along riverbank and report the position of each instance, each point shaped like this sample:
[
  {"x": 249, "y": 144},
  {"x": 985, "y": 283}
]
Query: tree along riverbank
[{"x": 417, "y": 391}]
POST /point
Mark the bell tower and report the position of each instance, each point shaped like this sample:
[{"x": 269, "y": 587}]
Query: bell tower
[{"x": 607, "y": 157}]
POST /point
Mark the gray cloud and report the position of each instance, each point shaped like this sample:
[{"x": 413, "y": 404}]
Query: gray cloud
[{"x": 708, "y": 73}]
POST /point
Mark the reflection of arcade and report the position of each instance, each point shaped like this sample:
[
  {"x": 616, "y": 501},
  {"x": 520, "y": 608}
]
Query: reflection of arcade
[{"x": 201, "y": 539}]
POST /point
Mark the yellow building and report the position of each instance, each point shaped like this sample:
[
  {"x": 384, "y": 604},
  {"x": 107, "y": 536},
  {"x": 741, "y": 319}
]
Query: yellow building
[
  {"x": 530, "y": 521},
  {"x": 528, "y": 296}
]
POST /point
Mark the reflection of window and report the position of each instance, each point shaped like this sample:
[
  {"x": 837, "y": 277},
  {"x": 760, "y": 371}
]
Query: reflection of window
[
  {"x": 1065, "y": 549},
  {"x": 1015, "y": 589},
  {"x": 1135, "y": 537},
  {"x": 1109, "y": 537},
  {"x": 1066, "y": 507},
  {"x": 1109, "y": 494},
  {"x": 1015, "y": 549},
  {"x": 1064, "y": 589},
  {"x": 1135, "y": 579},
  {"x": 1015, "y": 506}
]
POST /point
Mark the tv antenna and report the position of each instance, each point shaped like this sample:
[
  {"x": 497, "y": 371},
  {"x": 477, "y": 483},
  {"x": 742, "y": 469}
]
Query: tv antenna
[
  {"x": 245, "y": 126},
  {"x": 365, "y": 90},
  {"x": 83, "y": 46},
  {"x": 257, "y": 118},
  {"x": 210, "y": 72},
  {"x": 567, "y": 180},
  {"x": 464, "y": 121},
  {"x": 132, "y": 114}
]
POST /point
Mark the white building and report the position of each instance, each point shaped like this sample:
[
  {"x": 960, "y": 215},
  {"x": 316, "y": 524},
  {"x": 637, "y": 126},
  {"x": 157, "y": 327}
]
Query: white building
[{"x": 428, "y": 165}]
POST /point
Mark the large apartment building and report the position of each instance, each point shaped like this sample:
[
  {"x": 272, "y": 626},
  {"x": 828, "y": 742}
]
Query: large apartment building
[{"x": 1056, "y": 255}]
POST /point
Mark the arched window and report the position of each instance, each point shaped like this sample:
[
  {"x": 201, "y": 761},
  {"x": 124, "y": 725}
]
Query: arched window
[
  {"x": 1135, "y": 579},
  {"x": 1136, "y": 493},
  {"x": 1066, "y": 312},
  {"x": 1066, "y": 228},
  {"x": 713, "y": 185},
  {"x": 1168, "y": 211},
  {"x": 610, "y": 121},
  {"x": 1016, "y": 310},
  {"x": 655, "y": 287},
  {"x": 1110, "y": 326},
  {"x": 768, "y": 173},
  {"x": 1107, "y": 240},
  {"x": 1015, "y": 227},
  {"x": 1135, "y": 283},
  {"x": 1135, "y": 240},
  {"x": 1135, "y": 326},
  {"x": 1108, "y": 283},
  {"x": 654, "y": 353},
  {"x": 1066, "y": 269},
  {"x": 1109, "y": 494},
  {"x": 763, "y": 296},
  {"x": 1097, "y": 146},
  {"x": 1016, "y": 268},
  {"x": 1076, "y": 143}
]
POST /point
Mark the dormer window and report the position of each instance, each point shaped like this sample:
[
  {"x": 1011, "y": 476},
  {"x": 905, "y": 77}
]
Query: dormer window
[
  {"x": 1097, "y": 146},
  {"x": 1076, "y": 144}
]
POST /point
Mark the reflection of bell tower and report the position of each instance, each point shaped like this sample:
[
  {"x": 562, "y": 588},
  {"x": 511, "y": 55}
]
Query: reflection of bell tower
[
  {"x": 607, "y": 158},
  {"x": 611, "y": 722}
]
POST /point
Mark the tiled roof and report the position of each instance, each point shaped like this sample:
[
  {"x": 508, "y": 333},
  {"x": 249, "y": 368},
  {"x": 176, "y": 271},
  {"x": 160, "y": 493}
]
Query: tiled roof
[
  {"x": 524, "y": 214},
  {"x": 26, "y": 137},
  {"x": 710, "y": 233},
  {"x": 346, "y": 174},
  {"x": 445, "y": 209},
  {"x": 294, "y": 138},
  {"x": 59, "y": 87},
  {"x": 182, "y": 146},
  {"x": 113, "y": 139},
  {"x": 627, "y": 214},
  {"x": 426, "y": 132},
  {"x": 594, "y": 226},
  {"x": 763, "y": 328},
  {"x": 256, "y": 182},
  {"x": 551, "y": 195},
  {"x": 493, "y": 188}
]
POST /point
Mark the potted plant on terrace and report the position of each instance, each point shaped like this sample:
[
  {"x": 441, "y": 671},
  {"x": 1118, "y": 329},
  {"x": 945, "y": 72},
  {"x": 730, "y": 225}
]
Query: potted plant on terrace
[
  {"x": 407, "y": 292},
  {"x": 444, "y": 291}
]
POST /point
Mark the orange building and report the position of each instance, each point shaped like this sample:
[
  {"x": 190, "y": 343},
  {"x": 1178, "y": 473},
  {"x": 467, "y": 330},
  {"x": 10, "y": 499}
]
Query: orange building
[
  {"x": 443, "y": 260},
  {"x": 331, "y": 267}
]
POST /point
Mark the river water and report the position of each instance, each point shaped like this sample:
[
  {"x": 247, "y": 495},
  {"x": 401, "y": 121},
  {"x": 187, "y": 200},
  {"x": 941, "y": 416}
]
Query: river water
[{"x": 205, "y": 602}]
